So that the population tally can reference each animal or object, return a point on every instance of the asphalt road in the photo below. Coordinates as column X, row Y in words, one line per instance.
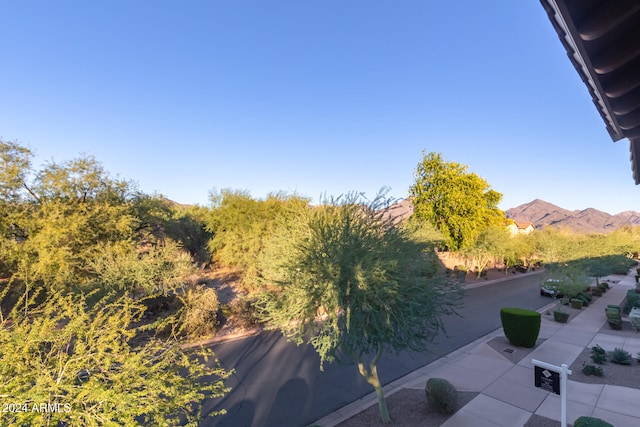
column 277, row 383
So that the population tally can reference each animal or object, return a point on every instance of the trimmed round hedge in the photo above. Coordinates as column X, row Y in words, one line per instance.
column 591, row 422
column 521, row 326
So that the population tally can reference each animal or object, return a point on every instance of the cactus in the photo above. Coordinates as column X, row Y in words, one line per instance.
column 442, row 396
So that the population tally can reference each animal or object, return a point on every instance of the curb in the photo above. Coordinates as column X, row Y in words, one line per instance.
column 257, row 331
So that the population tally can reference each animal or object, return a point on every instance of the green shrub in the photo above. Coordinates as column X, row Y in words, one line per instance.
column 586, row 295
column 592, row 370
column 633, row 300
column 521, row 326
column 590, row 422
column 585, row 301
column 576, row 303
column 598, row 355
column 621, row 356
column 442, row 396
column 100, row 361
column 596, row 292
column 614, row 317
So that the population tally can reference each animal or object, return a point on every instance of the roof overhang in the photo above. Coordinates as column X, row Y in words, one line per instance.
column 602, row 39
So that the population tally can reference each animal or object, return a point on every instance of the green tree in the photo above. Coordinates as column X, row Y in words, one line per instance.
column 459, row 203
column 490, row 245
column 347, row 280
column 91, row 363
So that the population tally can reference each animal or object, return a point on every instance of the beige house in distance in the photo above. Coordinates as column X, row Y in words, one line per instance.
column 519, row 227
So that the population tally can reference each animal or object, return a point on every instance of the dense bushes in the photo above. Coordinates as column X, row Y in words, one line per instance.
column 158, row 269
column 92, row 360
column 521, row 327
column 442, row 396
column 83, row 257
column 241, row 225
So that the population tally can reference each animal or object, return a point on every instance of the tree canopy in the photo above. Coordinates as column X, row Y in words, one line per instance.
column 348, row 281
column 457, row 202
column 83, row 256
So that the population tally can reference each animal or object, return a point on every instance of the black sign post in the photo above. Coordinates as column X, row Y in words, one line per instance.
column 547, row 379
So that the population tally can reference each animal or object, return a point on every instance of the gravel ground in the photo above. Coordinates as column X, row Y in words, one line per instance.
column 407, row 408
column 613, row 374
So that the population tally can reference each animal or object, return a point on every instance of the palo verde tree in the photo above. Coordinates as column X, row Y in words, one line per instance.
column 349, row 281
column 457, row 202
column 54, row 218
column 67, row 362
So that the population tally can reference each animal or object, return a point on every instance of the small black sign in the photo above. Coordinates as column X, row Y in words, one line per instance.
column 547, row 379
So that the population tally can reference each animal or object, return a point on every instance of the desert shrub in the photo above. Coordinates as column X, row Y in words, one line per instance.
column 585, row 300
column 160, row 269
column 591, row 422
column 91, row 360
column 620, row 356
column 598, row 355
column 242, row 311
column 442, row 396
column 596, row 292
column 199, row 315
column 241, row 225
column 521, row 326
column 576, row 303
column 592, row 370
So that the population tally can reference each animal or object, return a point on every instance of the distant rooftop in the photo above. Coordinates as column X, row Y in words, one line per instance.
column 602, row 39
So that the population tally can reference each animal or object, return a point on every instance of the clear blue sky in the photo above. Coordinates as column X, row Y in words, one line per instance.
column 308, row 96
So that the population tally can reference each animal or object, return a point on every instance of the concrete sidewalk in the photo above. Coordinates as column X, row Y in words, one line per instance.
column 508, row 396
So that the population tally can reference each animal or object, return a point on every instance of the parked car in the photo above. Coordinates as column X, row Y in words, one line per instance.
column 550, row 289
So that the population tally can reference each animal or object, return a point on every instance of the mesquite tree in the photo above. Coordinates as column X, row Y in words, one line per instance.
column 347, row 280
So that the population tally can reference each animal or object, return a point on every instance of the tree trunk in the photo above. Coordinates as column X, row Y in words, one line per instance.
column 372, row 378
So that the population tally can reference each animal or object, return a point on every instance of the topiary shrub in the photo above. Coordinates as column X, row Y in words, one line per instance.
column 621, row 356
column 585, row 300
column 442, row 396
column 586, row 295
column 521, row 326
column 633, row 300
column 614, row 317
column 576, row 303
column 591, row 422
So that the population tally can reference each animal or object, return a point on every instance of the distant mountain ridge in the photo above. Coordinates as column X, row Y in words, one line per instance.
column 544, row 214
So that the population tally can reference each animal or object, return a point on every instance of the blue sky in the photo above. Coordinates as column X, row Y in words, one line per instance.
column 308, row 96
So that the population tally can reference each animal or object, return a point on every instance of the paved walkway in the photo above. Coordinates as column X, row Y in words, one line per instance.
column 507, row 394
